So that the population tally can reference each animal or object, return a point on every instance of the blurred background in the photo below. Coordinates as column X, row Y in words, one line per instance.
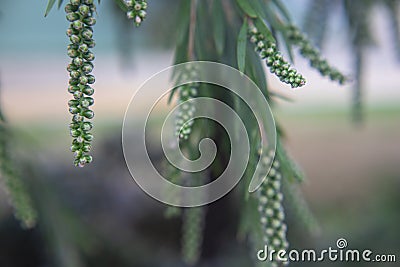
column 98, row 216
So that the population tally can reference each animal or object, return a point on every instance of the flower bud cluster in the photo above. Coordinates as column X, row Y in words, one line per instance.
column 313, row 55
column 186, row 93
column 136, row 10
column 80, row 32
column 270, row 206
column 274, row 59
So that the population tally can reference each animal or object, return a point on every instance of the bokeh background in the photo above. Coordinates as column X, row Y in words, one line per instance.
column 97, row 216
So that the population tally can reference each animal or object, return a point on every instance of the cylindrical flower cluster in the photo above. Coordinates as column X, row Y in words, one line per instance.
column 80, row 32
column 270, row 206
column 136, row 10
column 186, row 110
column 313, row 55
column 192, row 234
column 274, row 59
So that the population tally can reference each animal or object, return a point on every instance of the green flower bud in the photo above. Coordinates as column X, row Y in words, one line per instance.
column 130, row 14
column 79, row 161
column 88, row 158
column 73, row 81
column 73, row 103
column 75, row 133
column 70, row 8
column 72, row 16
column 77, row 94
column 75, row 39
column 91, row 79
column 87, row 67
column 83, row 80
column 72, row 46
column 87, row 33
column 88, row 137
column 72, row 53
column 87, row 101
column 75, row 2
column 74, row 125
column 138, row 20
column 86, row 148
column 90, row 43
column 75, row 147
column 77, row 25
column 129, row 3
column 83, row 48
column 84, row 10
column 86, row 126
column 75, row 74
column 89, row 114
column 70, row 32
column 72, row 89
column 74, row 110
column 89, row 56
column 79, row 153
column 142, row 14
column 77, row 118
column 87, row 90
column 90, row 21
column 77, row 61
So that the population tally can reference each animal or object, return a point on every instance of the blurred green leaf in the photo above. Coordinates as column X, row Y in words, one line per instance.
column 260, row 24
column 183, row 23
column 289, row 168
column 219, row 27
column 241, row 46
column 59, row 3
column 256, row 72
column 121, row 5
column 282, row 8
column 268, row 14
column 50, row 5
column 247, row 8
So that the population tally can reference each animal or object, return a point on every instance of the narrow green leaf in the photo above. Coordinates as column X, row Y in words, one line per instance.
column 282, row 8
column 50, row 5
column 259, row 7
column 270, row 15
column 241, row 47
column 59, row 4
column 121, row 5
column 260, row 24
column 289, row 168
column 183, row 23
column 288, row 46
column 256, row 71
column 247, row 8
column 219, row 27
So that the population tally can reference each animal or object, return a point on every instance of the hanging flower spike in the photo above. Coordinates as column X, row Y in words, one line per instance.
column 80, row 32
column 310, row 52
column 136, row 10
column 192, row 234
column 270, row 199
column 274, row 59
column 186, row 111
